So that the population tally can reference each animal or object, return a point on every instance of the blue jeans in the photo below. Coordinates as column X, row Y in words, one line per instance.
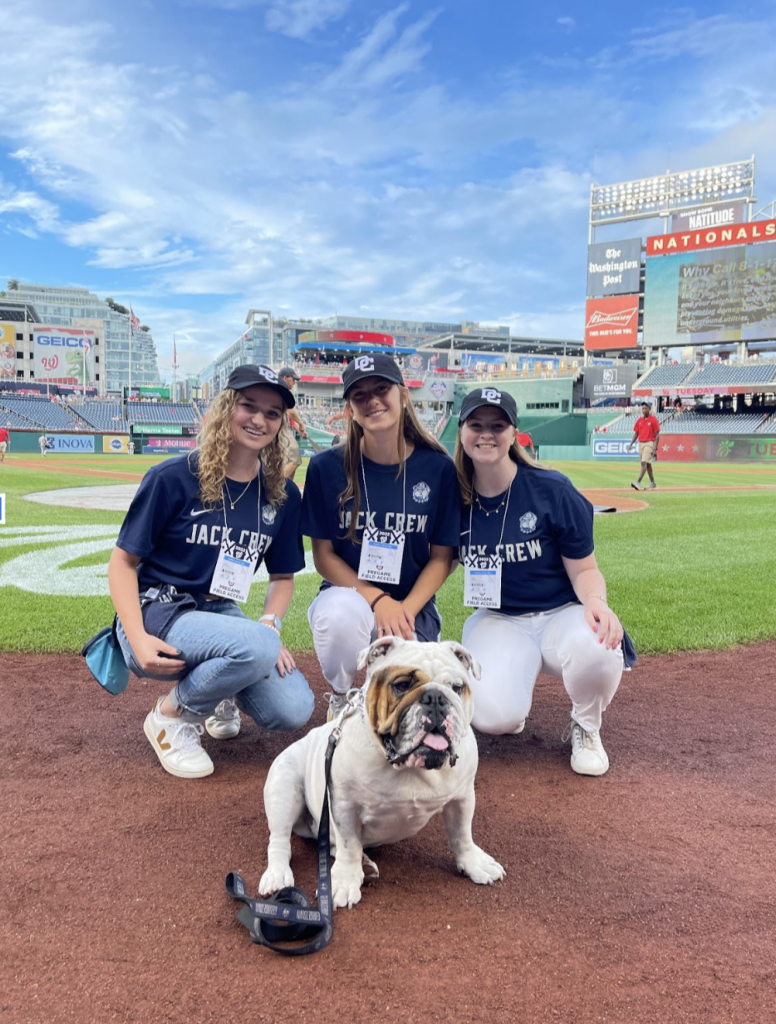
column 229, row 656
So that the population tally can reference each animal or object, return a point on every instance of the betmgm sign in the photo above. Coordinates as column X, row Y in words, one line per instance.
column 609, row 382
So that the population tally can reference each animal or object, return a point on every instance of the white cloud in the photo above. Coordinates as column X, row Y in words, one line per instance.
column 379, row 186
column 298, row 19
column 301, row 18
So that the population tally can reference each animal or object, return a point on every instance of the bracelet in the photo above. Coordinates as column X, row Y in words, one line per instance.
column 379, row 597
column 601, row 597
column 273, row 621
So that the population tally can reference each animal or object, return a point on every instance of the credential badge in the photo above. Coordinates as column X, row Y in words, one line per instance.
column 268, row 514
column 421, row 492
column 528, row 522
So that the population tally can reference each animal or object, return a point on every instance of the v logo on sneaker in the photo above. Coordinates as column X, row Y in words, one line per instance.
column 160, row 740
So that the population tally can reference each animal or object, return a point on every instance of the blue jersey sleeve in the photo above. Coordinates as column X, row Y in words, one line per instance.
column 286, row 555
column 447, row 522
column 574, row 523
column 148, row 515
column 315, row 516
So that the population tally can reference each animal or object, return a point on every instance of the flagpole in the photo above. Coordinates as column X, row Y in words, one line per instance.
column 174, row 368
column 129, row 325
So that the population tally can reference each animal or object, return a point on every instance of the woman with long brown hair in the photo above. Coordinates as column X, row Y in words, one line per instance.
column 195, row 533
column 382, row 512
column 530, row 572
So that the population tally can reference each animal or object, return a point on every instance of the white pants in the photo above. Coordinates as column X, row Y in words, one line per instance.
column 514, row 649
column 343, row 624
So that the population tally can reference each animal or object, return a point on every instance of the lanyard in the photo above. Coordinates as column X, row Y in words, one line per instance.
column 404, row 491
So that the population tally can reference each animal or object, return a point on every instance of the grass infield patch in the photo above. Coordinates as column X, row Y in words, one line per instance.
column 692, row 572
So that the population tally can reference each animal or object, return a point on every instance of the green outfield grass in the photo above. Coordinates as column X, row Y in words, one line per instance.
column 692, row 572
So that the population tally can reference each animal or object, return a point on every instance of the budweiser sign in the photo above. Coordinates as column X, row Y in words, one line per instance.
column 622, row 318
column 713, row 238
column 612, row 322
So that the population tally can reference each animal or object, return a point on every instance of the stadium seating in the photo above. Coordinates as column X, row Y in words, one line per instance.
column 734, row 373
column 103, row 416
column 666, row 376
column 693, row 422
column 181, row 413
column 41, row 413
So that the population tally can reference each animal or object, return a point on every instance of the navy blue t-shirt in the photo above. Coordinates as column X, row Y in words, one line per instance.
column 547, row 518
column 179, row 542
column 431, row 514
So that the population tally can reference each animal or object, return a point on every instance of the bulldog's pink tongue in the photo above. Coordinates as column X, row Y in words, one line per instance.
column 435, row 741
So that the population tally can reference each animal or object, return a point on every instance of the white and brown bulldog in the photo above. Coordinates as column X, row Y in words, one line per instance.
column 405, row 755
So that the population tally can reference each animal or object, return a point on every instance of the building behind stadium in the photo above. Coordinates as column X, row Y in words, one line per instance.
column 64, row 334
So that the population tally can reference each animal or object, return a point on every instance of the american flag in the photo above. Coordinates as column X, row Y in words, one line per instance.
column 133, row 320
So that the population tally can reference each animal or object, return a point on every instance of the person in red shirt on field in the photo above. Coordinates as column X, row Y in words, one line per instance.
column 647, row 432
column 5, row 443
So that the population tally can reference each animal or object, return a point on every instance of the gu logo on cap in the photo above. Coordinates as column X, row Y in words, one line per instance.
column 491, row 395
column 364, row 363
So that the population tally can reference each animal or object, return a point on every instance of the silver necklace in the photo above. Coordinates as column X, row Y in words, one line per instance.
column 240, row 495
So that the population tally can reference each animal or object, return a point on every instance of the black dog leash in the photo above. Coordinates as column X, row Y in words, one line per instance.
column 288, row 915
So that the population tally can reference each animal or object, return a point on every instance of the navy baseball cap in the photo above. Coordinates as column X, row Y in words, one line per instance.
column 287, row 371
column 489, row 397
column 252, row 373
column 374, row 364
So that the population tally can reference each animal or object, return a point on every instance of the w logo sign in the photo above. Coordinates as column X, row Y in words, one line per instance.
column 2, row 509
column 491, row 395
column 364, row 363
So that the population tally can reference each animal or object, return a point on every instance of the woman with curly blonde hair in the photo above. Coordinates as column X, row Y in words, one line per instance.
column 195, row 533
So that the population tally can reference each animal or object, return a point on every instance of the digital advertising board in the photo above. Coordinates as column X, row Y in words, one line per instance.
column 63, row 352
column 612, row 322
column 712, row 216
column 711, row 286
column 613, row 268
column 7, row 350
column 609, row 381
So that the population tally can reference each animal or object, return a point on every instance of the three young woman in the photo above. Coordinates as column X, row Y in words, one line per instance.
column 195, row 533
column 531, row 573
column 386, row 518
column 382, row 512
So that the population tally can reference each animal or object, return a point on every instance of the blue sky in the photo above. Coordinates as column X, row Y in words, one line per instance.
column 412, row 160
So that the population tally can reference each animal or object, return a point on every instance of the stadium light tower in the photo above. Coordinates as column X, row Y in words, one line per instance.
column 670, row 193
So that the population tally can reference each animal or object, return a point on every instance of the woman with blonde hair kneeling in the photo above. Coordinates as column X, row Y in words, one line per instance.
column 195, row 533
column 530, row 571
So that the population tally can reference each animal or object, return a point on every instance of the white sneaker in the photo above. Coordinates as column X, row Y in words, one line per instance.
column 337, row 702
column 588, row 756
column 652, row 487
column 177, row 745
column 635, row 486
column 224, row 723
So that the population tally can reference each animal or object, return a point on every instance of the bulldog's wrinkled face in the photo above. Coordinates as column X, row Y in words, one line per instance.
column 417, row 699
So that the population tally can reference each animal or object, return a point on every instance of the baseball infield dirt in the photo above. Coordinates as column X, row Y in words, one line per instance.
column 645, row 896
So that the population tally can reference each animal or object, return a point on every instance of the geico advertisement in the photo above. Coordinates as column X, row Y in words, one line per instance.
column 614, row 450
column 117, row 445
column 63, row 352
